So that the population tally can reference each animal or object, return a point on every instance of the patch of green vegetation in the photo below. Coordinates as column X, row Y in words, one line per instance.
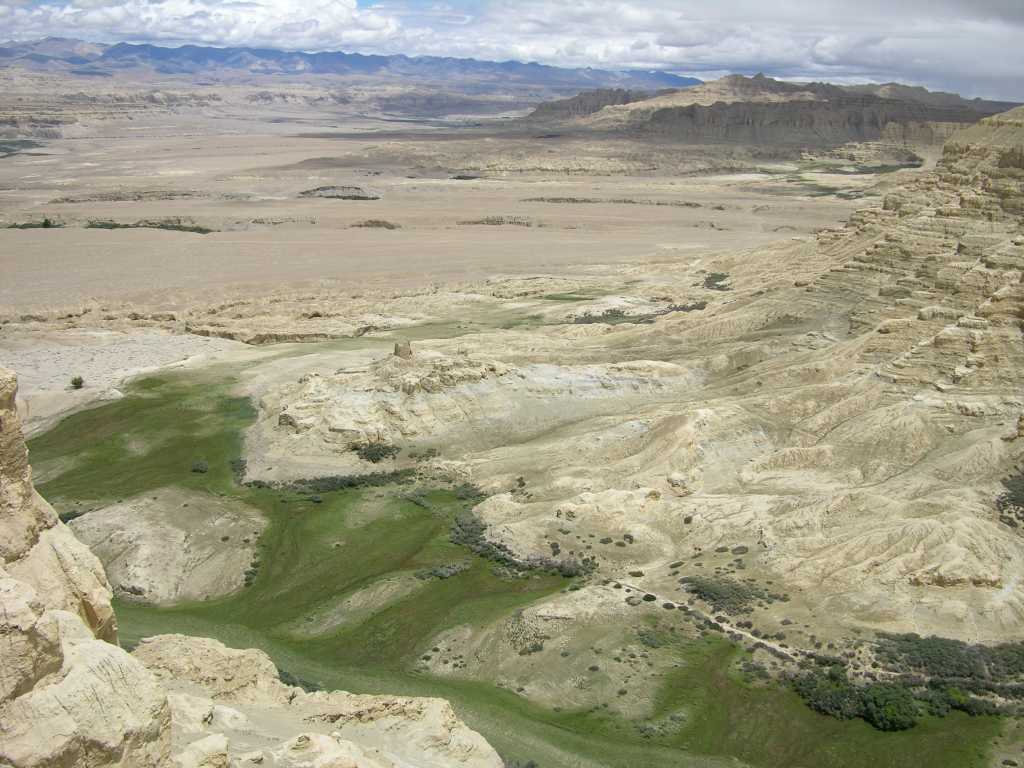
column 309, row 553
column 498, row 221
column 944, row 664
column 45, row 223
column 727, row 595
column 522, row 323
column 377, row 452
column 179, row 421
column 853, row 168
column 769, row 726
column 173, row 225
column 377, row 224
column 1010, row 502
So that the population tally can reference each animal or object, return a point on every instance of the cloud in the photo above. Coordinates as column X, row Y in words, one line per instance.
column 295, row 24
column 970, row 46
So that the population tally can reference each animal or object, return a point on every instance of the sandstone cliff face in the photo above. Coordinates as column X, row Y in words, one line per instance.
column 69, row 696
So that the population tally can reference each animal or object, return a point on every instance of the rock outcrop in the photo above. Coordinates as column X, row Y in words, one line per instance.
column 171, row 545
column 69, row 696
column 216, row 690
column 437, row 400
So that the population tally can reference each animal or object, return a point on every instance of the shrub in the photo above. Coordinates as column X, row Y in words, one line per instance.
column 725, row 595
column 377, row 452
column 77, row 382
column 830, row 694
column 377, row 224
column 498, row 221
column 200, row 467
column 469, row 493
column 715, row 281
column 46, row 223
column 649, row 638
column 288, row 678
column 889, row 707
column 534, row 647
column 442, row 571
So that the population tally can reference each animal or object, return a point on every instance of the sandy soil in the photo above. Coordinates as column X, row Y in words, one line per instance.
column 247, row 188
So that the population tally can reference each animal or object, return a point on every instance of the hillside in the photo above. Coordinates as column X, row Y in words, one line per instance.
column 763, row 111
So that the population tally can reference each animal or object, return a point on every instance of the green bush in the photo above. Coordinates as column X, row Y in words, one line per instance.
column 288, row 678
column 377, row 452
column 889, row 707
column 715, row 281
column 830, row 694
column 377, row 224
column 46, row 223
column 77, row 382
column 726, row 595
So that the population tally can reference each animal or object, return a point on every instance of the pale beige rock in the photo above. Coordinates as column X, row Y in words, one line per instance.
column 409, row 731
column 224, row 674
column 316, row 750
column 101, row 707
column 209, row 752
column 198, row 714
column 31, row 648
column 173, row 545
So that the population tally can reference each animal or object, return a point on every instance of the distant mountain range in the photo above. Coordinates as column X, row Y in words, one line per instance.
column 78, row 58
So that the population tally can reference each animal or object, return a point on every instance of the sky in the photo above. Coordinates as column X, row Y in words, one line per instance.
column 974, row 47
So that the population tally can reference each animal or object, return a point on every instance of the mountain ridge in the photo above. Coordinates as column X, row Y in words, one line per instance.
column 761, row 109
column 65, row 54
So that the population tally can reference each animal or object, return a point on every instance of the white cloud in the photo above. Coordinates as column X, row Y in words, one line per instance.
column 967, row 45
column 295, row 24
